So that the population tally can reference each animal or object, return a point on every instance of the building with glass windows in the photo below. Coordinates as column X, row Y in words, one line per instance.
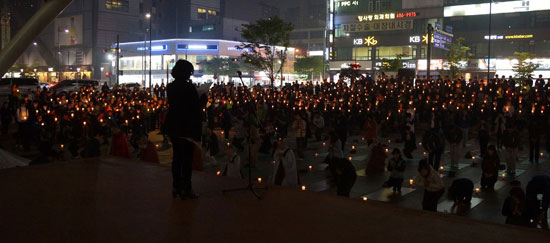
column 75, row 44
column 134, row 62
column 368, row 31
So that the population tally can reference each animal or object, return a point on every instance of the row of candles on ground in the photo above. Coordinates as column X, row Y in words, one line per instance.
column 303, row 187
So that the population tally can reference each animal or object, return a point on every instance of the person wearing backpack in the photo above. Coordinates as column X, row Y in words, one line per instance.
column 284, row 172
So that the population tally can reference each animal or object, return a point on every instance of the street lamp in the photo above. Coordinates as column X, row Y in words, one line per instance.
column 489, row 41
column 148, row 16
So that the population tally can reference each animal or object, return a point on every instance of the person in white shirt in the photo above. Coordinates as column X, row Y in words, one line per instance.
column 284, row 169
column 433, row 186
column 319, row 123
column 300, row 127
column 232, row 164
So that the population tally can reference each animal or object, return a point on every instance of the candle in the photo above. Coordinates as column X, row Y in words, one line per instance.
column 411, row 181
column 387, row 150
column 503, row 175
column 349, row 158
column 424, row 154
column 310, row 167
column 473, row 157
column 218, row 173
column 303, row 188
column 259, row 180
column 156, row 145
column 365, row 198
column 477, row 189
column 324, row 144
column 62, row 146
column 441, row 168
column 316, row 154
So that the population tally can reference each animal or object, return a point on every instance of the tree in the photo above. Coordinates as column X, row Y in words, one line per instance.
column 525, row 66
column 221, row 66
column 392, row 65
column 309, row 66
column 457, row 53
column 261, row 38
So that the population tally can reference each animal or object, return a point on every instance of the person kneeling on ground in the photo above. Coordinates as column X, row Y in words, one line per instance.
column 460, row 193
column 284, row 172
column 232, row 165
column 396, row 165
column 345, row 176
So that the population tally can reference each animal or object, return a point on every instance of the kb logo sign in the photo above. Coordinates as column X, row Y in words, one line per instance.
column 415, row 39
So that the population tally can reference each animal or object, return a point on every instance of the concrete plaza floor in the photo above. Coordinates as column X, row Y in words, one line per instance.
column 114, row 200
column 486, row 205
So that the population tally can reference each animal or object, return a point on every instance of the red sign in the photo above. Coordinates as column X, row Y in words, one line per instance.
column 405, row 15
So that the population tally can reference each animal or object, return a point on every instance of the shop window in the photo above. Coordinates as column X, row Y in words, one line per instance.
column 201, row 13
column 117, row 5
column 207, row 27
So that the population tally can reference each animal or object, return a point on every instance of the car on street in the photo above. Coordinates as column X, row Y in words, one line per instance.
column 23, row 84
column 74, row 85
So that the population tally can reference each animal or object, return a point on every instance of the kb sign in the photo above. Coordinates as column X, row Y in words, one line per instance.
column 415, row 39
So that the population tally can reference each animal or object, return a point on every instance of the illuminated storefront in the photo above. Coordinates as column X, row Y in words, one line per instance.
column 366, row 32
column 135, row 62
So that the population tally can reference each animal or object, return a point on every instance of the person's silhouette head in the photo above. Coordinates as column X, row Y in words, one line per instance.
column 183, row 70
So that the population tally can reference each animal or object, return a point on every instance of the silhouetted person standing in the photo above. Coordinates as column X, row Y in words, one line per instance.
column 184, row 127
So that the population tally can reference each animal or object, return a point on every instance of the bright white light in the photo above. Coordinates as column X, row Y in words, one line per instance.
column 34, row 43
column 315, row 53
column 197, row 47
column 498, row 8
column 66, row 31
column 148, row 15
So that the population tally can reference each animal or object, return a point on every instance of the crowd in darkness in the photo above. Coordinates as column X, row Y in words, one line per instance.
column 451, row 110
column 80, row 122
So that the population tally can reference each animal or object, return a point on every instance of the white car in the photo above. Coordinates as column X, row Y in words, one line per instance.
column 23, row 84
column 69, row 86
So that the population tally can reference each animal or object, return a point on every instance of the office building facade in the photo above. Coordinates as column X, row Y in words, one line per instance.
column 368, row 31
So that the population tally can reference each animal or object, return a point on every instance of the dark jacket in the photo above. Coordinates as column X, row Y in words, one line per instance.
column 538, row 185
column 184, row 111
column 490, row 164
column 510, row 139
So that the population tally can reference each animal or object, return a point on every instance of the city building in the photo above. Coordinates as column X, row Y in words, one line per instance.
column 134, row 64
column 78, row 43
column 222, row 19
column 368, row 31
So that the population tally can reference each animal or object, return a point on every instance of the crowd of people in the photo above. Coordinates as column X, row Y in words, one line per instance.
column 260, row 120
column 65, row 125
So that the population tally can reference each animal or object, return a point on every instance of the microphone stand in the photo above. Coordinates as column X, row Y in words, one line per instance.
column 250, row 186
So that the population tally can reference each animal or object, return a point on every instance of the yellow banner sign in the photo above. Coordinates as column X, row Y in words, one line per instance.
column 378, row 26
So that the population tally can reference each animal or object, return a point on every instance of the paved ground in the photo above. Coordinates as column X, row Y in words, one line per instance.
column 113, row 200
column 485, row 206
